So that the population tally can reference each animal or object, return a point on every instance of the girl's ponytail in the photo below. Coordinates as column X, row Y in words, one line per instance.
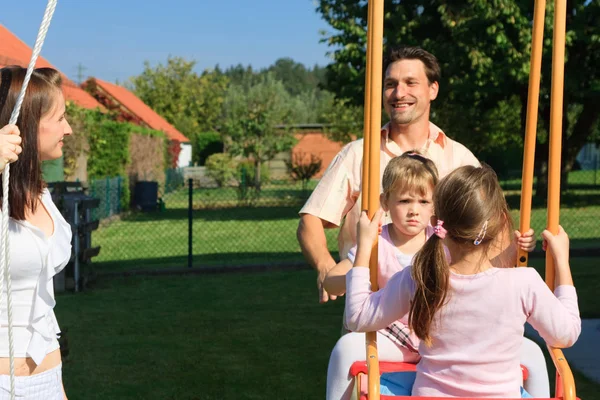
column 431, row 274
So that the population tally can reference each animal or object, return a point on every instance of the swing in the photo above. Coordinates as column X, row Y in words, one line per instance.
column 369, row 388
column 4, row 238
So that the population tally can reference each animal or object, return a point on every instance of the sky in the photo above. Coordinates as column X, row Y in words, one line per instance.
column 111, row 39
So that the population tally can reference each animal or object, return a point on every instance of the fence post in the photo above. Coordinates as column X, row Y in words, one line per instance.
column 107, row 197
column 190, row 205
column 76, row 247
column 92, row 191
column 119, row 178
column 597, row 164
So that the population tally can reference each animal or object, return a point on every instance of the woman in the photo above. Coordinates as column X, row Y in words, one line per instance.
column 40, row 238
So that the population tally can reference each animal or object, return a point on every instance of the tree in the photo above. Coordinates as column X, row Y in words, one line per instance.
column 484, row 48
column 344, row 121
column 303, row 167
column 189, row 101
column 221, row 167
column 251, row 119
column 296, row 78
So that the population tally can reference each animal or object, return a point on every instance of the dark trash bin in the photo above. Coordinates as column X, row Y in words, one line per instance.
column 145, row 195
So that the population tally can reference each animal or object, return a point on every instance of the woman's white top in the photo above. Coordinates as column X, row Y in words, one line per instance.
column 34, row 260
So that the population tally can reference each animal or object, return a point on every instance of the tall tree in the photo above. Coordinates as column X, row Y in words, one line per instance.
column 484, row 48
column 251, row 117
column 190, row 101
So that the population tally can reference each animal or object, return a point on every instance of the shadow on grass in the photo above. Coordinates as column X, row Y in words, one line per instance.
column 568, row 200
column 204, row 263
column 578, row 248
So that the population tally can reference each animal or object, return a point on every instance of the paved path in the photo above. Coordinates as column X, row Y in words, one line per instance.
column 585, row 354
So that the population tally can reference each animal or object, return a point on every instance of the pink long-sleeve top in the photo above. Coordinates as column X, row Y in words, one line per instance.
column 477, row 335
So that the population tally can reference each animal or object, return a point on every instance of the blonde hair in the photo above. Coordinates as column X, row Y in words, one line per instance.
column 474, row 212
column 410, row 172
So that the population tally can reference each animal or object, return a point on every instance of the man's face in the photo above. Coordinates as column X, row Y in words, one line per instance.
column 407, row 94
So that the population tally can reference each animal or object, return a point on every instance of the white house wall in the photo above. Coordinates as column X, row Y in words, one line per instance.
column 185, row 155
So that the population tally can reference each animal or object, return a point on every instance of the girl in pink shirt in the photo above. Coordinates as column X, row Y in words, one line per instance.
column 468, row 315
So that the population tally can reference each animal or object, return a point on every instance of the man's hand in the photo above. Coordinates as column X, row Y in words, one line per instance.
column 313, row 242
column 324, row 297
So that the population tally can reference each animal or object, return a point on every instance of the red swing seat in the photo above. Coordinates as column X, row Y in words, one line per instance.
column 359, row 371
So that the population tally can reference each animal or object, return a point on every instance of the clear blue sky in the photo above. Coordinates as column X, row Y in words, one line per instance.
column 112, row 38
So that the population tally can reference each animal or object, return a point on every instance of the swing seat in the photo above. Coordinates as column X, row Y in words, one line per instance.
column 359, row 371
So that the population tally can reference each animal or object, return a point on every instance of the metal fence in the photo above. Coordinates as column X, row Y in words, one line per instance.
column 239, row 225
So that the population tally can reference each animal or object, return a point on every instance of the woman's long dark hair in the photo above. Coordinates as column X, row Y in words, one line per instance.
column 25, row 181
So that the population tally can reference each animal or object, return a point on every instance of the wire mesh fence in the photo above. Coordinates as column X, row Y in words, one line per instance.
column 240, row 225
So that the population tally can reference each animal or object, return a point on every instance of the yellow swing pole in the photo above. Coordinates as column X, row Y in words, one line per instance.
column 565, row 384
column 371, row 167
column 533, row 96
column 367, row 114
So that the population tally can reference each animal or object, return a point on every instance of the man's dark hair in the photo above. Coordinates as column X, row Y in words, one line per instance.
column 432, row 67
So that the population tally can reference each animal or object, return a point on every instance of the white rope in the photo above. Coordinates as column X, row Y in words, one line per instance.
column 4, row 246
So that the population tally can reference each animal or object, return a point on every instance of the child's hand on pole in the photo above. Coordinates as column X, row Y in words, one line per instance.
column 559, row 246
column 368, row 230
column 526, row 241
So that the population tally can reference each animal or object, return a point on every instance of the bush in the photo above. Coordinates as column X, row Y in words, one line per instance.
column 247, row 173
column 221, row 167
column 109, row 149
column 205, row 145
column 303, row 168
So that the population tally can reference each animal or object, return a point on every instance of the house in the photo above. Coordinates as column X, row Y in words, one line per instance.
column 311, row 140
column 132, row 109
column 13, row 51
column 317, row 143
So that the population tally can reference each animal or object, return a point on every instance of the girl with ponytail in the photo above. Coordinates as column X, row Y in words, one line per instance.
column 468, row 315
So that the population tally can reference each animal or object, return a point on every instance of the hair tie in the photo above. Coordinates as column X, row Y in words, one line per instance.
column 481, row 234
column 416, row 156
column 439, row 229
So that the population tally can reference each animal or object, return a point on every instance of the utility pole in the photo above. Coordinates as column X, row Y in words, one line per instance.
column 80, row 69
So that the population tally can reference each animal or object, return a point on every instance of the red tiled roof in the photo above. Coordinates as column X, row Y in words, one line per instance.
column 141, row 110
column 14, row 52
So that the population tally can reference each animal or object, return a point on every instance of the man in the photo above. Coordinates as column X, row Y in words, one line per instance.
column 410, row 85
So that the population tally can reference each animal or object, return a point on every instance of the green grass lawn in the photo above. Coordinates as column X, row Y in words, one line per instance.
column 227, row 232
column 247, row 235
column 233, row 237
column 587, row 178
column 225, row 336
column 586, row 275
